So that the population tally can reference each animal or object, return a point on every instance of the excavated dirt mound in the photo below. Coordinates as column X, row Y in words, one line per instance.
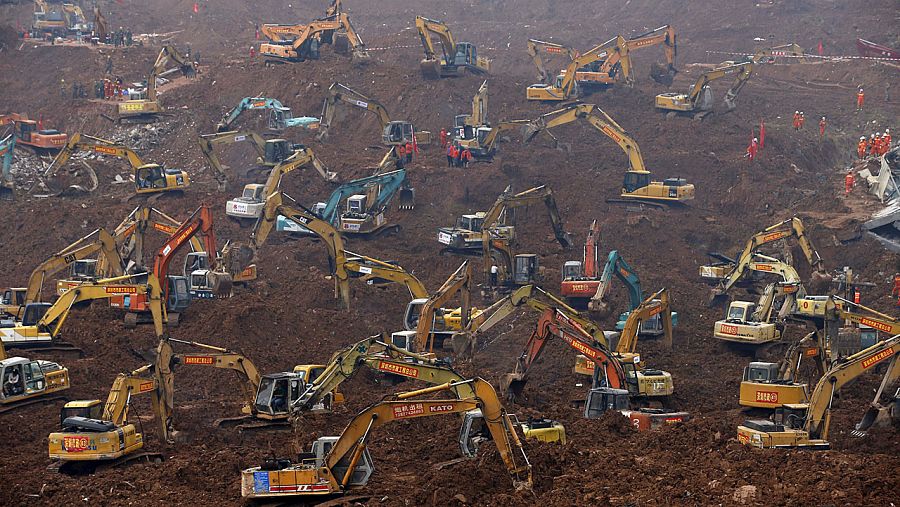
column 289, row 316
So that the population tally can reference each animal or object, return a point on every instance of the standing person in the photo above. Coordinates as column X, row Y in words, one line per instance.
column 886, row 140
column 822, row 128
column 861, row 147
column 801, row 121
column 129, row 37
column 875, row 150
column 896, row 288
column 494, row 275
column 796, row 121
column 860, row 99
column 443, row 137
column 467, row 157
column 252, row 52
column 400, row 152
column 459, row 153
column 409, row 152
column 762, row 134
column 751, row 149
column 109, row 64
column 449, row 155
column 62, row 88
column 849, row 181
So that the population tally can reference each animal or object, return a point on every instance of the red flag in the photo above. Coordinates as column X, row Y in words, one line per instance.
column 762, row 134
column 821, row 48
column 196, row 8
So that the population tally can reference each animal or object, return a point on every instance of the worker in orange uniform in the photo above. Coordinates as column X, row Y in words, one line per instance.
column 822, row 127
column 896, row 289
column 752, row 149
column 860, row 99
column 876, row 145
column 443, row 138
column 801, row 121
column 861, row 147
column 796, row 121
column 252, row 52
column 873, row 148
column 409, row 151
column 849, row 181
column 886, row 140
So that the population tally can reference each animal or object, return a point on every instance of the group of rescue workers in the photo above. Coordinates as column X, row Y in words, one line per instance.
column 877, row 145
column 457, row 156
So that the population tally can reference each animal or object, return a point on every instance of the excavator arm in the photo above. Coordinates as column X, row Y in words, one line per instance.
column 81, row 142
column 338, row 93
column 426, row 27
column 321, row 228
column 97, row 241
column 459, row 282
column 200, row 222
column 650, row 307
column 354, row 438
column 166, row 55
column 388, row 182
column 536, row 47
column 664, row 35
column 208, row 142
column 56, row 315
column 554, row 323
column 616, row 267
column 125, row 386
column 371, row 270
column 292, row 43
column 300, row 158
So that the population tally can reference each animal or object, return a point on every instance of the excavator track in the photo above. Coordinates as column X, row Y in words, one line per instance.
column 248, row 423
column 33, row 401
column 55, row 347
column 90, row 467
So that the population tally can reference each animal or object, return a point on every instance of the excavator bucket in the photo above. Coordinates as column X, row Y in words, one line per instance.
column 512, row 384
column 531, row 129
column 600, row 309
column 220, row 283
column 341, row 44
column 431, row 69
column 406, row 198
column 662, row 74
column 238, row 257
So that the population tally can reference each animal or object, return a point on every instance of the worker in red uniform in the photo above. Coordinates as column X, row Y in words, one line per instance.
column 801, row 121
column 849, row 181
column 860, row 99
column 443, row 138
column 466, row 157
column 861, row 147
column 886, row 140
column 822, row 128
column 450, row 156
column 752, row 149
column 252, row 52
column 796, row 121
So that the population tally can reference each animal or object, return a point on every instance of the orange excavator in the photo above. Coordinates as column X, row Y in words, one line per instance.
column 581, row 279
column 201, row 278
column 612, row 388
column 29, row 134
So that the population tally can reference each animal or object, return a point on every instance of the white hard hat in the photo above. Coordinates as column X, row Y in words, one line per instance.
column 801, row 113
column 823, row 117
column 887, row 131
column 862, row 138
column 755, row 139
column 878, row 134
column 796, row 112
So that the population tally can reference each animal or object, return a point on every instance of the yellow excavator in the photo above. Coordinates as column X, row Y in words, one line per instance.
column 754, row 324
column 41, row 322
column 393, row 132
column 730, row 272
column 147, row 108
column 95, row 435
column 270, row 153
column 806, row 425
column 536, row 47
column 637, row 186
column 148, row 178
column 470, row 129
column 770, row 385
column 458, row 57
column 29, row 381
column 299, row 43
column 339, row 464
column 250, row 204
column 239, row 257
column 606, row 61
column 698, row 102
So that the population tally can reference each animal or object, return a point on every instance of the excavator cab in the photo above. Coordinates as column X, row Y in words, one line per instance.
column 89, row 409
column 470, row 222
column 472, row 433
column 155, row 178
column 13, row 296
column 397, row 132
column 466, row 54
column 84, row 270
column 34, row 312
column 761, row 372
column 277, row 392
column 277, row 151
column 603, row 399
column 356, row 204
column 635, row 180
column 361, row 472
column 572, row 270
column 740, row 311
column 526, row 269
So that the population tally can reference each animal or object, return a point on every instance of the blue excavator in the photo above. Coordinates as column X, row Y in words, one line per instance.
column 7, row 185
column 280, row 117
column 617, row 267
column 364, row 203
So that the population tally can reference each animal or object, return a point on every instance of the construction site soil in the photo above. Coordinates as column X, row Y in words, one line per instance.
column 289, row 316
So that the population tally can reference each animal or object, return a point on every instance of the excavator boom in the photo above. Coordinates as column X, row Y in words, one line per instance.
column 457, row 57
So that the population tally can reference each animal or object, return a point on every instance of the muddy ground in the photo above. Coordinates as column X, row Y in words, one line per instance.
column 289, row 316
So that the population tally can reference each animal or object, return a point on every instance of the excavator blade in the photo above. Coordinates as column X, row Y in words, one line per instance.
column 406, row 198
column 662, row 74
column 431, row 69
